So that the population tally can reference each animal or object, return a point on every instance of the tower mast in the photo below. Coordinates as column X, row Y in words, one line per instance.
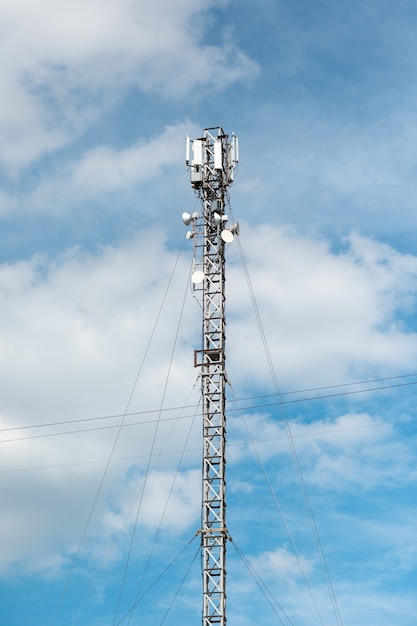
column 212, row 161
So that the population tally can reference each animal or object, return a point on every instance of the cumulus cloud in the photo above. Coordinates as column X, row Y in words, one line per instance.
column 106, row 180
column 74, row 331
column 71, row 327
column 327, row 316
column 108, row 169
column 63, row 65
column 280, row 563
column 354, row 451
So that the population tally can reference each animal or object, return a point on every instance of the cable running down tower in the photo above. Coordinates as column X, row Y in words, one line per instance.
column 212, row 161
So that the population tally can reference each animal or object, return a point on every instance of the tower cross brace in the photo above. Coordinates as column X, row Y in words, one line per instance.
column 212, row 170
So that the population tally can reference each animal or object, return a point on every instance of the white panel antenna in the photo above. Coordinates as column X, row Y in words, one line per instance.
column 218, row 161
column 235, row 144
column 198, row 152
column 232, row 157
column 187, row 150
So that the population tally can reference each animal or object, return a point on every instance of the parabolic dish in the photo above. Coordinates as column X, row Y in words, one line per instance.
column 197, row 277
column 227, row 236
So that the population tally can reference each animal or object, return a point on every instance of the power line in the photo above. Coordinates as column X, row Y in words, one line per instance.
column 189, row 416
column 277, row 402
column 192, row 450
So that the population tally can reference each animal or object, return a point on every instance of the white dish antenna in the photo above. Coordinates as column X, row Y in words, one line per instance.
column 197, row 277
column 227, row 236
column 186, row 218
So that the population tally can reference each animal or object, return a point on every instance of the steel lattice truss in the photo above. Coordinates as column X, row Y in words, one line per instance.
column 211, row 173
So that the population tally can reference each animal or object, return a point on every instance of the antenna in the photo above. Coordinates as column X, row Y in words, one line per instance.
column 211, row 172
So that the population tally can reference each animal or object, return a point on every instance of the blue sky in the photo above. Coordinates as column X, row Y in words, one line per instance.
column 97, row 318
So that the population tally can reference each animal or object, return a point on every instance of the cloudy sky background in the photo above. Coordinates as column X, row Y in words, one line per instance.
column 98, row 319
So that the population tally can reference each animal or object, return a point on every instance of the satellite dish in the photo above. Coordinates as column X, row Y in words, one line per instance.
column 197, row 277
column 235, row 228
column 227, row 236
column 186, row 218
column 217, row 218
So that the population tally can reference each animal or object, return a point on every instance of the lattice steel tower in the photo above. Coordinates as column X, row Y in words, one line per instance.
column 212, row 161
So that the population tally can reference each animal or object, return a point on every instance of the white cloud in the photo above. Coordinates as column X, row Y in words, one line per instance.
column 73, row 333
column 77, row 332
column 327, row 172
column 78, row 317
column 352, row 452
column 104, row 168
column 279, row 564
column 63, row 64
column 327, row 317
column 85, row 187
column 169, row 499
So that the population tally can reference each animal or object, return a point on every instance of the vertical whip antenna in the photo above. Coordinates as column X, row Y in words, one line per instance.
column 212, row 162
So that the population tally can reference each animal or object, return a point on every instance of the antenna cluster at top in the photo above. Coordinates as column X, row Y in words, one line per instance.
column 212, row 161
column 217, row 153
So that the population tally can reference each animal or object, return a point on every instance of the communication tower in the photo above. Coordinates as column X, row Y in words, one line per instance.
column 212, row 162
